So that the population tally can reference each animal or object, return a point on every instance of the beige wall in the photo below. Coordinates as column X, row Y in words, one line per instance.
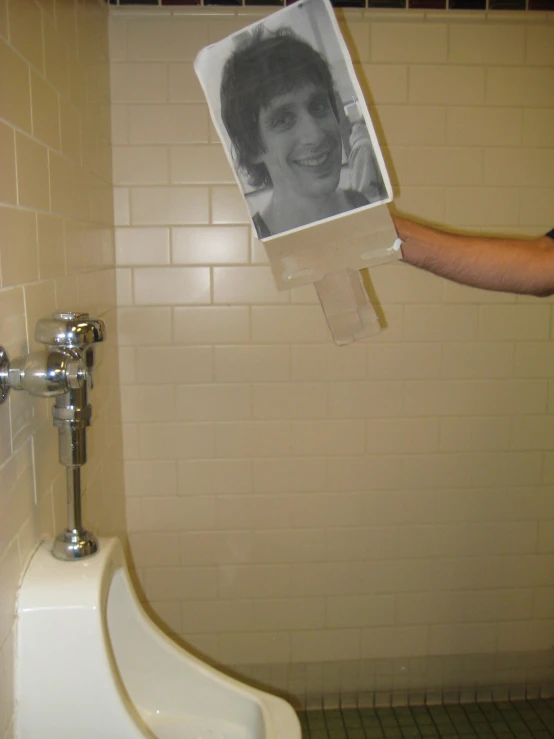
column 372, row 517
column 56, row 252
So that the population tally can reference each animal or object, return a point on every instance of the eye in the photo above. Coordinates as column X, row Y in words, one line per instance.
column 282, row 120
column 320, row 106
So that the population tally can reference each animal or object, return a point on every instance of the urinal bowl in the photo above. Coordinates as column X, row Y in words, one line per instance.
column 91, row 663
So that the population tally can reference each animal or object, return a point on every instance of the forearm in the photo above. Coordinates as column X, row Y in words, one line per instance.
column 508, row 265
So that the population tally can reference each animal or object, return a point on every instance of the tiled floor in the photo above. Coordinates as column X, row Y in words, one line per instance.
column 518, row 720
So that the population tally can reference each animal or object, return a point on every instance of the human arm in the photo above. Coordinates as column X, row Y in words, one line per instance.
column 524, row 266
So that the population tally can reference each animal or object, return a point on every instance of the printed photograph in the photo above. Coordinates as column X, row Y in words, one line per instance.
column 292, row 118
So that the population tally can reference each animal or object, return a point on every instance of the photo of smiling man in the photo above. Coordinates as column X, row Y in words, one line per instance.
column 293, row 122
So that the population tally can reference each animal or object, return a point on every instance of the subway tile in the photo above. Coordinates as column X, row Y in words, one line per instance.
column 148, row 403
column 256, row 363
column 534, row 205
column 486, row 44
column 253, row 439
column 178, row 583
column 8, row 182
column 32, row 173
column 252, row 512
column 26, row 30
column 228, row 206
column 15, row 92
column 140, row 165
column 140, row 326
column 462, row 638
column 293, row 400
column 175, row 364
column 474, row 434
column 169, row 205
column 445, row 85
column 254, row 648
column 168, row 124
column 533, row 359
column 171, row 285
column 215, row 477
column 441, row 323
column 184, row 86
column 121, row 206
column 514, row 322
column 473, row 397
column 138, row 82
column 329, row 645
column 523, row 86
column 9, row 580
column 507, row 469
column 402, row 436
column 481, row 207
column 12, row 323
column 427, row 202
column 253, row 581
column 539, row 45
column 478, row 360
column 55, row 58
column 19, row 251
column 289, row 324
column 412, row 125
column 71, row 134
column 328, row 437
column 404, row 361
column 356, row 34
column 124, row 286
column 518, row 167
column 213, row 402
column 170, row 38
column 51, row 251
column 149, row 479
column 413, row 43
column 45, row 111
column 325, row 363
column 142, row 246
column 480, row 126
column 439, row 166
column 199, row 164
column 292, row 614
column 398, row 283
column 289, row 475
column 528, row 635
column 201, row 616
column 211, row 325
column 395, row 641
column 251, row 285
column 119, row 124
column 167, row 441
column 359, row 611
column 533, row 432
column 4, row 18
column 365, row 399
column 210, row 245
column 384, row 83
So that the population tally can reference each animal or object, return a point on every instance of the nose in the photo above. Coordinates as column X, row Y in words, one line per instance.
column 310, row 130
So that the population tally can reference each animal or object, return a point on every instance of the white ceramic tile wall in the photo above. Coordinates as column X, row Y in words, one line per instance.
column 292, row 503
column 56, row 253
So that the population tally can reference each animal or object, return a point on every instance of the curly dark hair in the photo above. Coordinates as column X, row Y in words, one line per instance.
column 258, row 70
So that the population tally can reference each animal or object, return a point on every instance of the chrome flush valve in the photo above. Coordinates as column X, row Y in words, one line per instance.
column 64, row 370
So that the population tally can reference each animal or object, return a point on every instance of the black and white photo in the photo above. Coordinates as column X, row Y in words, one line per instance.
column 292, row 118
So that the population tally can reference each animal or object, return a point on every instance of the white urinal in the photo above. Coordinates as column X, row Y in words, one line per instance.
column 91, row 664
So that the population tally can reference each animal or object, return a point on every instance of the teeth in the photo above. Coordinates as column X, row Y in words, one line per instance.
column 313, row 162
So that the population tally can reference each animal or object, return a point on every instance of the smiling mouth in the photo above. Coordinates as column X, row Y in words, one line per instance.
column 313, row 161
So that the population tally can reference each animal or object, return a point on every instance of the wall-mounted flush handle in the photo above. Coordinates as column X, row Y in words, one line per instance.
column 67, row 363
column 41, row 373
